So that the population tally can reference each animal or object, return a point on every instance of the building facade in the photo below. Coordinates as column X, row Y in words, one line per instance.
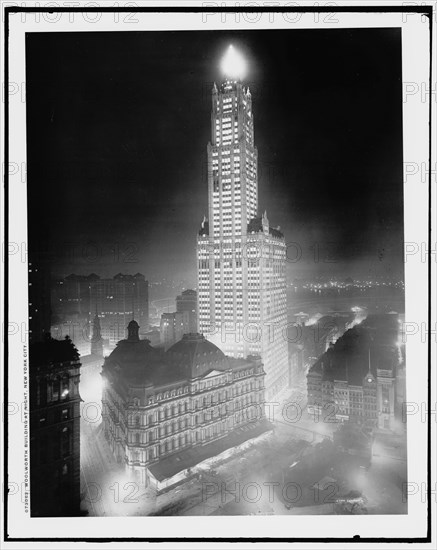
column 164, row 412
column 355, row 379
column 119, row 300
column 335, row 394
column 241, row 257
column 76, row 299
column 173, row 327
column 187, row 301
column 54, row 428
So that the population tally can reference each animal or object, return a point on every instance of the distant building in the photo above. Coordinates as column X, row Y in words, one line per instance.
column 119, row 300
column 71, row 296
column 39, row 299
column 165, row 412
column 187, row 301
column 77, row 298
column 354, row 380
column 173, row 327
column 54, row 428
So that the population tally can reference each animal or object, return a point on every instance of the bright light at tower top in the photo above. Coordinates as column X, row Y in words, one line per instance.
column 233, row 64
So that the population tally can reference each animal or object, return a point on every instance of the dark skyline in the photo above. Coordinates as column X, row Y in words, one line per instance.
column 118, row 125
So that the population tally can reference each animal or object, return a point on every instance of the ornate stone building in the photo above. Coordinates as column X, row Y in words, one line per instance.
column 355, row 379
column 165, row 412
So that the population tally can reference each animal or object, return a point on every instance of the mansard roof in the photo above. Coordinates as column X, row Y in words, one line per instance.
column 139, row 363
column 197, row 356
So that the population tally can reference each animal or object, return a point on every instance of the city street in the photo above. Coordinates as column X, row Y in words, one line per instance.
column 106, row 488
column 294, row 469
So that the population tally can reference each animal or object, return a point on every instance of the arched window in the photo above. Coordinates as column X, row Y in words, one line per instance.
column 55, row 389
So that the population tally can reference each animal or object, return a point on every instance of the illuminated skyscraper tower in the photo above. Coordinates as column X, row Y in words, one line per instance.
column 241, row 258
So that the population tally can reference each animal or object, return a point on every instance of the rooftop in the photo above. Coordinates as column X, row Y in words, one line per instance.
column 193, row 356
column 170, row 466
column 368, row 346
column 197, row 355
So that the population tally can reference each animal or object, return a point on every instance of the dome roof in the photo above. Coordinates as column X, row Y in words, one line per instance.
column 141, row 364
column 132, row 353
column 197, row 355
column 137, row 358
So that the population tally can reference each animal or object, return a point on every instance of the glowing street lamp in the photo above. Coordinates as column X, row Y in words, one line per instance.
column 233, row 64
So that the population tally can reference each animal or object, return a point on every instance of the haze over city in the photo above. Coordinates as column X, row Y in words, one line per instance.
column 118, row 126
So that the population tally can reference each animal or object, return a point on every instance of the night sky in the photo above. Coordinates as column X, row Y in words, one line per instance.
column 118, row 125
